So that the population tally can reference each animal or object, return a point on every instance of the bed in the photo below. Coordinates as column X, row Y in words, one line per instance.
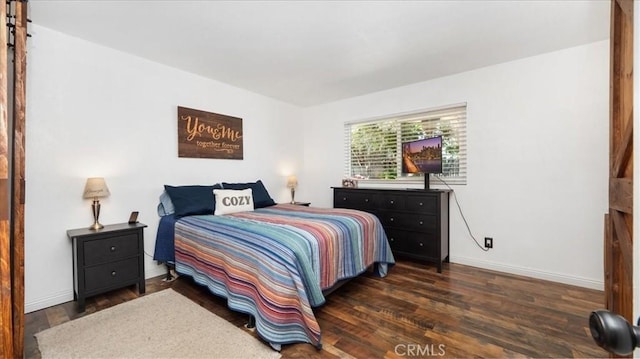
column 275, row 262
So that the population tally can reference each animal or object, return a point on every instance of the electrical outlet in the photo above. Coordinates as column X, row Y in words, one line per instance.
column 488, row 242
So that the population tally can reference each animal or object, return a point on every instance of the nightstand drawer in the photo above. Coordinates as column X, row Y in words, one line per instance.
column 110, row 249
column 111, row 274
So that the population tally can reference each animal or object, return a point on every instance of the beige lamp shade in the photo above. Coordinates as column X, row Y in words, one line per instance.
column 292, row 182
column 96, row 187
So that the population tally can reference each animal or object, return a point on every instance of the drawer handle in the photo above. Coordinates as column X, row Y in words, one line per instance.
column 391, row 201
column 113, row 248
column 344, row 198
column 391, row 219
column 420, row 222
column 113, row 274
column 421, row 203
column 420, row 244
column 366, row 199
column 391, row 240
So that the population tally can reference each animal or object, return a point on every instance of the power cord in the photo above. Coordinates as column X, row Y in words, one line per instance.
column 462, row 214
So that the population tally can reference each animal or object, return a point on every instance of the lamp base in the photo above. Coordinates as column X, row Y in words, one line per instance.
column 95, row 208
column 96, row 226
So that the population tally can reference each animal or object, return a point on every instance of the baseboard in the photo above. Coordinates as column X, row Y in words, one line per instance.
column 67, row 296
column 534, row 273
column 49, row 301
column 155, row 271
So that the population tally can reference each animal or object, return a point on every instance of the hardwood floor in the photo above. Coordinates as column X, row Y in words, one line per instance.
column 413, row 312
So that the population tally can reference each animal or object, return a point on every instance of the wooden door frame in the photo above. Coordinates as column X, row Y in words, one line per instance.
column 6, row 277
column 618, row 248
column 18, row 171
column 12, row 174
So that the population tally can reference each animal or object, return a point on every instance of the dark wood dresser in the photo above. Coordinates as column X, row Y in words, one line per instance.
column 416, row 221
column 107, row 259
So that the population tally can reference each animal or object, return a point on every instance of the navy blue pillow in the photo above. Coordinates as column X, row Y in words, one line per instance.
column 261, row 197
column 192, row 200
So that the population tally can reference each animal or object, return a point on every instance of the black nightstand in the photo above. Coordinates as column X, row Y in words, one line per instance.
column 107, row 259
column 307, row 204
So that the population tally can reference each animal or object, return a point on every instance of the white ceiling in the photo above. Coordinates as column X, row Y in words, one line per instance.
column 313, row 52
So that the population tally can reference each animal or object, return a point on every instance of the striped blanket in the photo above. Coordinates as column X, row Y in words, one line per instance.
column 274, row 262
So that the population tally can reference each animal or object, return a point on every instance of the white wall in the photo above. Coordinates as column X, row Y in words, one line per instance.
column 93, row 111
column 537, row 165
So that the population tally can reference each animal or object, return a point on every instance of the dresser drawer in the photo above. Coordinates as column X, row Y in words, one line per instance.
column 422, row 204
column 423, row 245
column 354, row 200
column 102, row 250
column 111, row 274
column 413, row 244
column 427, row 223
column 397, row 240
column 393, row 201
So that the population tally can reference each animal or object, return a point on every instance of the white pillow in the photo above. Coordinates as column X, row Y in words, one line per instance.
column 232, row 201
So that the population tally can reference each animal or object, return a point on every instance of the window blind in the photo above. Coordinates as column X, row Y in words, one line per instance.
column 373, row 147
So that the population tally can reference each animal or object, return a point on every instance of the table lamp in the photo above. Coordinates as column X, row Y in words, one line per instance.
column 96, row 188
column 292, row 182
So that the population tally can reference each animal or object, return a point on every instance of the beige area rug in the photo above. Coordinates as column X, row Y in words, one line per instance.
column 164, row 324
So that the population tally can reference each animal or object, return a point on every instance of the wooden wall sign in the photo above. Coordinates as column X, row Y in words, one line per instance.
column 209, row 135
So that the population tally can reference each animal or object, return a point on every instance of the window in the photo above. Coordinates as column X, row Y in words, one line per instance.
column 373, row 147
